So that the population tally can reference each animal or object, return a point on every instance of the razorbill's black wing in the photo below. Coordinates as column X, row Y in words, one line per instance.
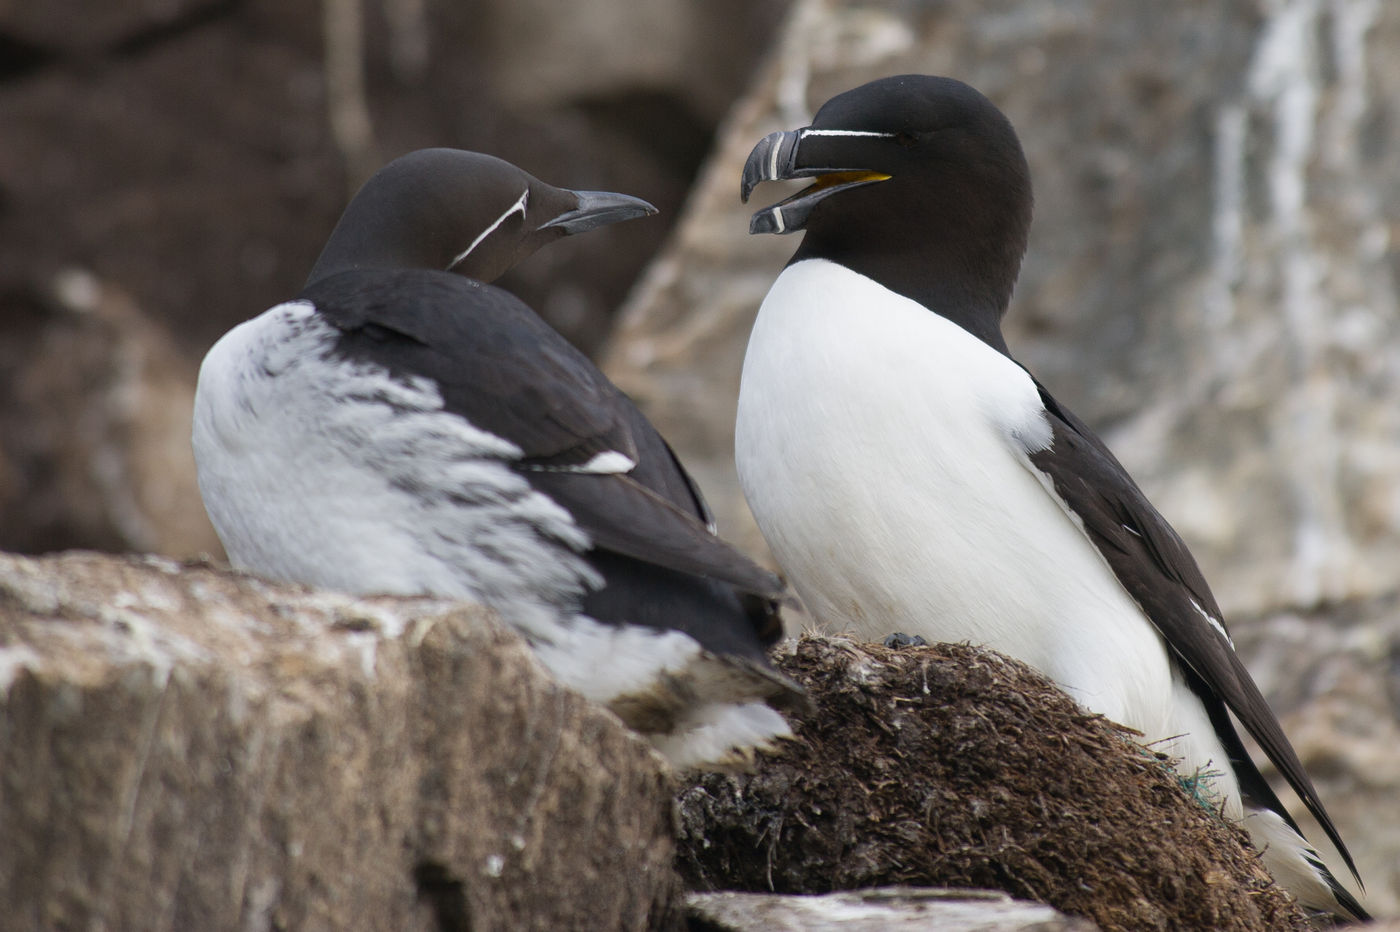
column 1156, row 567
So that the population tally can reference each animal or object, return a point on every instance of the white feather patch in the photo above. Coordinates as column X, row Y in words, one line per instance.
column 322, row 471
column 669, row 669
column 721, row 734
column 607, row 463
column 1214, row 623
column 604, row 661
column 1290, row 859
column 845, row 132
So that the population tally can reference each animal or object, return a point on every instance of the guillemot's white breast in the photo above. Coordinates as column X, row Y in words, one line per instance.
column 330, row 472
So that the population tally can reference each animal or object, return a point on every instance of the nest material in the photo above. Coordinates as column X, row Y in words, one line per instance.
column 949, row 765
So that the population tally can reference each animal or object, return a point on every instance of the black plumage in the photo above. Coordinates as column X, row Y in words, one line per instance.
column 502, row 369
column 921, row 192
column 404, row 426
column 1154, row 564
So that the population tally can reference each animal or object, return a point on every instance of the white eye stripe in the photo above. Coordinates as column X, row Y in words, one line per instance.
column 519, row 205
column 844, row 132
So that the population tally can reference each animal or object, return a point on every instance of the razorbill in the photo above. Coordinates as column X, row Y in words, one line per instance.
column 403, row 427
column 911, row 476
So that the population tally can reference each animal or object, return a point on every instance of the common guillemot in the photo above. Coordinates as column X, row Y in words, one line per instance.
column 910, row 475
column 404, row 427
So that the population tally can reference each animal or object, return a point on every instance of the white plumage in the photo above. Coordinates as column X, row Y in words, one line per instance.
column 883, row 451
column 911, row 476
column 315, row 469
column 322, row 471
column 927, row 516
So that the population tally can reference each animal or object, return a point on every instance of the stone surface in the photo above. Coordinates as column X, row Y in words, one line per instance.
column 194, row 154
column 95, row 430
column 952, row 766
column 183, row 748
column 898, row 909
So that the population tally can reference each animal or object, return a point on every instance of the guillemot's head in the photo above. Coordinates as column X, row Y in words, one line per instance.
column 463, row 212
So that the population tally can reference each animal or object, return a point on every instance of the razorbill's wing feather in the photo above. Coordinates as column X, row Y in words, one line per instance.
column 1154, row 564
column 624, row 516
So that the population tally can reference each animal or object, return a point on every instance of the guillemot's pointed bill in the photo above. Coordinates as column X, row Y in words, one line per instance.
column 969, row 504
column 596, row 209
column 404, row 427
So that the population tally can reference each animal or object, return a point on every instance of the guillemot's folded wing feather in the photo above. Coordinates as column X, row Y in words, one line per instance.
column 581, row 440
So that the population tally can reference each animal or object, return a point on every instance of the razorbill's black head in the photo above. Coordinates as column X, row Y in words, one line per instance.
column 461, row 212
column 919, row 183
column 910, row 475
column 404, row 427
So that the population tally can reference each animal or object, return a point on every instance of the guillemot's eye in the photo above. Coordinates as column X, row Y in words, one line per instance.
column 905, row 139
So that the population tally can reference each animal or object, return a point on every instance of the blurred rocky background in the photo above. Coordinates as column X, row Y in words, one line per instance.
column 169, row 168
column 1211, row 281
